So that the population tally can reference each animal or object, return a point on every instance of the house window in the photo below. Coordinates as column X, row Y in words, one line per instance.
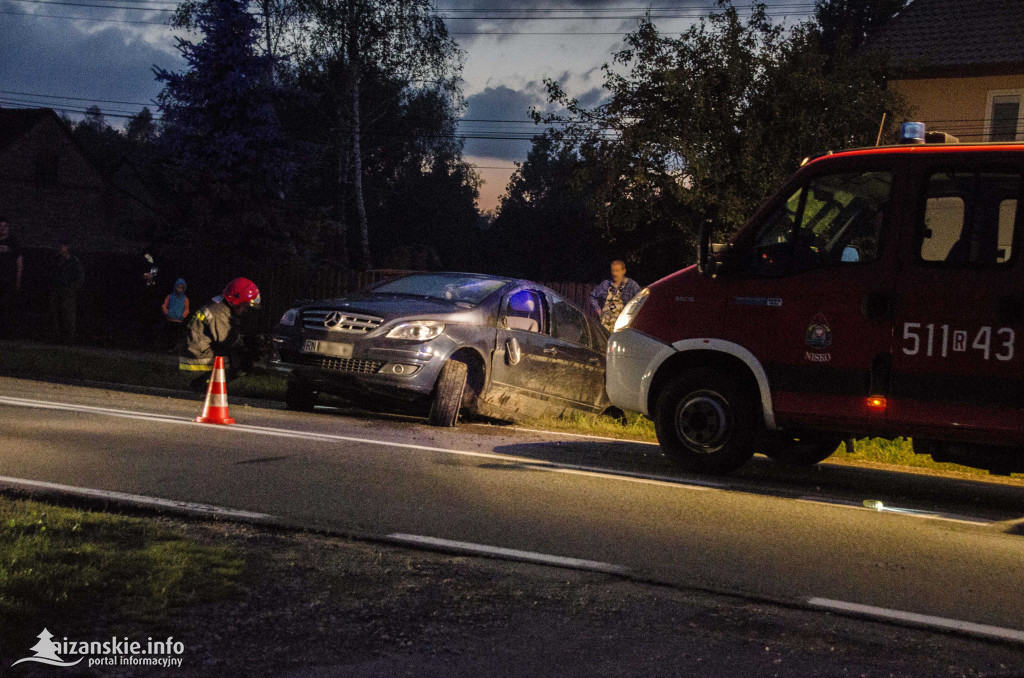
column 1006, row 115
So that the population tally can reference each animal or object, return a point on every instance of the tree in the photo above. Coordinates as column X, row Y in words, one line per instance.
column 346, row 40
column 545, row 228
column 219, row 117
column 702, row 127
column 141, row 129
column 104, row 144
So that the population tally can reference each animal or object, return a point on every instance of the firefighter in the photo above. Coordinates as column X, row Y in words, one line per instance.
column 216, row 330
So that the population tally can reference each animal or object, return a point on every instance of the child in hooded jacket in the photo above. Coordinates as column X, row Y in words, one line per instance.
column 175, row 313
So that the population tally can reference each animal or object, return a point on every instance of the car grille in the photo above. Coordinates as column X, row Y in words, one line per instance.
column 339, row 321
column 344, row 364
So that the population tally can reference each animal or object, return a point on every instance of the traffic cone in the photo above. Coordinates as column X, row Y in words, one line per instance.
column 215, row 409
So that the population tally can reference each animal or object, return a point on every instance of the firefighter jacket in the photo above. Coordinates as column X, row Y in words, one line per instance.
column 211, row 331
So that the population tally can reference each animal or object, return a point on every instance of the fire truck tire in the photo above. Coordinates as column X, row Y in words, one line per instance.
column 791, row 452
column 451, row 383
column 299, row 397
column 708, row 423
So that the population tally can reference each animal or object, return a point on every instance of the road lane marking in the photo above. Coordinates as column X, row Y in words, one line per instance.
column 138, row 499
column 509, row 554
column 914, row 513
column 540, row 464
column 923, row 620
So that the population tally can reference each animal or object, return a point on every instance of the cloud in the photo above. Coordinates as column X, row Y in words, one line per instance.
column 592, row 97
column 80, row 59
column 512, row 108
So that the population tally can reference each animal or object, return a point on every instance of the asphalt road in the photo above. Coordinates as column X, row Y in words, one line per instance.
column 949, row 548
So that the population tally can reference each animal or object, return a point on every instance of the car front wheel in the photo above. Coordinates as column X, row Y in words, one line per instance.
column 447, row 399
column 707, row 423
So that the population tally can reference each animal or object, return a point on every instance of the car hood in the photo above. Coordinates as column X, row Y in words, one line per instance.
column 393, row 308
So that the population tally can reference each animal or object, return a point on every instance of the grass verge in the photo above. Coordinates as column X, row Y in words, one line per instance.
column 135, row 369
column 62, row 564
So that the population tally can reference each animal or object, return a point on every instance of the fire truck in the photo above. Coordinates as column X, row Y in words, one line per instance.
column 879, row 292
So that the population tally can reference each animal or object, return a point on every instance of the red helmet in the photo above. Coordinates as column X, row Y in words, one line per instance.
column 242, row 291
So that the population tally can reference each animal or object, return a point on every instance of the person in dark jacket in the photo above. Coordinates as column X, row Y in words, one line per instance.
column 215, row 330
column 176, row 311
column 67, row 281
column 11, row 265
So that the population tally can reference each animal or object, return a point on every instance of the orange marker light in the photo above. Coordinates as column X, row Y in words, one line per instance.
column 876, row 403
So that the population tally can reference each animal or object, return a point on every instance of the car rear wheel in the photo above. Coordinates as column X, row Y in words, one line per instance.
column 707, row 423
column 300, row 397
column 444, row 409
column 792, row 451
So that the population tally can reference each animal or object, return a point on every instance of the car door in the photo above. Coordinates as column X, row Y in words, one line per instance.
column 960, row 303
column 807, row 294
column 520, row 366
column 570, row 356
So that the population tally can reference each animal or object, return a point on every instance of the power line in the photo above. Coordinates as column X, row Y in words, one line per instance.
column 84, row 18
column 55, row 96
column 86, row 4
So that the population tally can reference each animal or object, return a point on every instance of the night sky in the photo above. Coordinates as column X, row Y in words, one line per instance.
column 105, row 55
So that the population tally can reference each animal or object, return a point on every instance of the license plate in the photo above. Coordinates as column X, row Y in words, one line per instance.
column 331, row 348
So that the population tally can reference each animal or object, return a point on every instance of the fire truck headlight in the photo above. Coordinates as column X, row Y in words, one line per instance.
column 631, row 310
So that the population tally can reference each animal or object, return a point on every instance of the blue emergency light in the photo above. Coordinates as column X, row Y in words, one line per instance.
column 912, row 133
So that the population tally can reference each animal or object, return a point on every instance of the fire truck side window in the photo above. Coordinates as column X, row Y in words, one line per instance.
column 834, row 220
column 969, row 218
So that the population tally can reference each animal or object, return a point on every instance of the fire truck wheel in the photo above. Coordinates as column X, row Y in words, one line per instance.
column 794, row 452
column 300, row 397
column 707, row 423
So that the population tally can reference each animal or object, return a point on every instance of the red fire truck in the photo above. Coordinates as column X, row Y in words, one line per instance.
column 880, row 292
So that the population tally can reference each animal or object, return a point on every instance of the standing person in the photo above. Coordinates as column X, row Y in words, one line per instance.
column 215, row 330
column 67, row 281
column 12, row 264
column 608, row 298
column 176, row 311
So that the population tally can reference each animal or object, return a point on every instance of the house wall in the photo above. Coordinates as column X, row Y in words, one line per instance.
column 958, row 105
column 52, row 194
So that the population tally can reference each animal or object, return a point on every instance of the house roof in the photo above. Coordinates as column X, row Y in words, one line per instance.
column 17, row 122
column 986, row 36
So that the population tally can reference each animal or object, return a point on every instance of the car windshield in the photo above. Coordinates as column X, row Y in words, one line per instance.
column 461, row 289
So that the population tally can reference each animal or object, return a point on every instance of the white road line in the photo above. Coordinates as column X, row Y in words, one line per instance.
column 688, row 484
column 913, row 513
column 511, row 554
column 923, row 620
column 138, row 499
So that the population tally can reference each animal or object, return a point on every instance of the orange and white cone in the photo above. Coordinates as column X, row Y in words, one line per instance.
column 215, row 409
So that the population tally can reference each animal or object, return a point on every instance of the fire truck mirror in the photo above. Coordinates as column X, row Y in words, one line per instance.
column 706, row 261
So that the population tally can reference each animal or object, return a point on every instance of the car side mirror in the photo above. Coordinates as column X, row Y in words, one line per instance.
column 851, row 254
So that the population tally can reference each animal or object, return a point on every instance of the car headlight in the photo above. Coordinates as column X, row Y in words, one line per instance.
column 417, row 330
column 289, row 317
column 631, row 310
